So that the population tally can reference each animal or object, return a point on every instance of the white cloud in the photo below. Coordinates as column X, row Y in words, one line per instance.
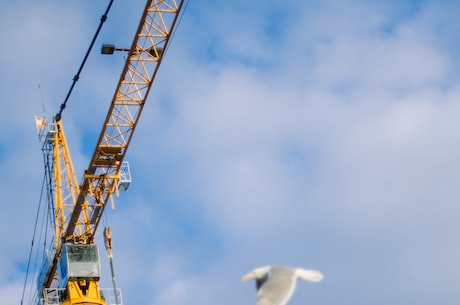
column 327, row 140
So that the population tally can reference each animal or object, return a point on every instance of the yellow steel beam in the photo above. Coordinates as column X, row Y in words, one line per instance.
column 66, row 186
column 101, row 177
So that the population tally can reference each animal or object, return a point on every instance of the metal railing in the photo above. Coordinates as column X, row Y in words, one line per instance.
column 54, row 296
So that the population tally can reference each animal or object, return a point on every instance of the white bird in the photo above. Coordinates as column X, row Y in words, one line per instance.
column 276, row 284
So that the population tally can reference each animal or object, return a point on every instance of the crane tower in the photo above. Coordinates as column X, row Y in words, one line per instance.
column 70, row 272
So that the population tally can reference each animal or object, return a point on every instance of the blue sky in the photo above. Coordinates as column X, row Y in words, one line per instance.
column 321, row 134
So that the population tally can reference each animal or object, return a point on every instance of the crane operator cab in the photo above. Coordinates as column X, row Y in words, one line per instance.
column 79, row 273
column 79, row 262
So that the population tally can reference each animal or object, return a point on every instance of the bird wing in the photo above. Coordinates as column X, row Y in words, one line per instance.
column 309, row 275
column 261, row 281
column 278, row 288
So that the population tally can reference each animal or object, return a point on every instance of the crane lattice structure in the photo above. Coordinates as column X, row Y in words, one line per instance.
column 70, row 272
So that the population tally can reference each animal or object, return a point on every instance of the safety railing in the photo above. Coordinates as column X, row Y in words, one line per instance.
column 55, row 296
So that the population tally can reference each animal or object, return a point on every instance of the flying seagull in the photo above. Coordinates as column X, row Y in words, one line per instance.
column 276, row 284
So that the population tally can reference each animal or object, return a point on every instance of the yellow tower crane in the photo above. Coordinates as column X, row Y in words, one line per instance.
column 70, row 272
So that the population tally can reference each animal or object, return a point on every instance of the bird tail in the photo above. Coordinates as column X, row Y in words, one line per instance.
column 309, row 275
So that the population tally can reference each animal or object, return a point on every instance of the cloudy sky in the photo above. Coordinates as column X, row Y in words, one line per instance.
column 321, row 134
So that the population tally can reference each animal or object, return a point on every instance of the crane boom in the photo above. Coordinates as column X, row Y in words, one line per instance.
column 145, row 56
column 79, row 208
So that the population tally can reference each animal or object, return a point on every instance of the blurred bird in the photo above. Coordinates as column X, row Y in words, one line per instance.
column 276, row 284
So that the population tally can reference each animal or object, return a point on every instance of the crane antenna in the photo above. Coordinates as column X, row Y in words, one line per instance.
column 42, row 101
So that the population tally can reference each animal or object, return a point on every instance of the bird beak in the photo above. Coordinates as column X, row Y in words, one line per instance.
column 247, row 277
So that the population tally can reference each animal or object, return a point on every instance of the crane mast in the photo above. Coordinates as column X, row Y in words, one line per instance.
column 70, row 272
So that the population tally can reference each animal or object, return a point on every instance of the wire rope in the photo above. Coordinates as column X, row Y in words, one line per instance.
column 42, row 238
column 33, row 240
column 77, row 76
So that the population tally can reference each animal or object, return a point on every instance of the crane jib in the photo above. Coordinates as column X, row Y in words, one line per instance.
column 145, row 56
